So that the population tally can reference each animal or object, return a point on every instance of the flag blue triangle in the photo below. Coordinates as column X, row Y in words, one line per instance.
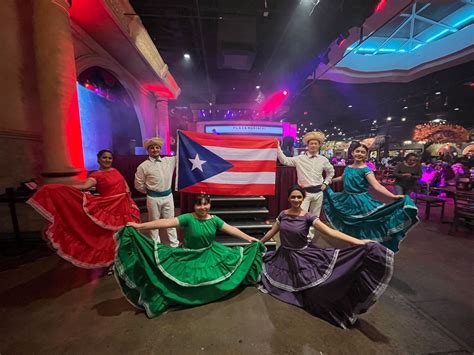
column 189, row 173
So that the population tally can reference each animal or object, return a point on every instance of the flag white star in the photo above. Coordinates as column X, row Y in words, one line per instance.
column 197, row 163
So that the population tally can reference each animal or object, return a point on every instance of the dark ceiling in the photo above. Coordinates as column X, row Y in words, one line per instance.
column 236, row 45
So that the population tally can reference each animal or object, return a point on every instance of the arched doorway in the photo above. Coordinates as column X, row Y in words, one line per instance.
column 108, row 119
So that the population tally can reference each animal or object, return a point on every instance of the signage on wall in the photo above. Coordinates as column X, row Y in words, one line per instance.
column 244, row 130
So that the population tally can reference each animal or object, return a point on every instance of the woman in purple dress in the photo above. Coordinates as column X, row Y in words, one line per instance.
column 333, row 284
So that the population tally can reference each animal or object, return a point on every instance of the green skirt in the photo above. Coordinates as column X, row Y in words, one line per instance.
column 155, row 277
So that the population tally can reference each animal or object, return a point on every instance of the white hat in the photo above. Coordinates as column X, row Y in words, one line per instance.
column 153, row 141
column 317, row 135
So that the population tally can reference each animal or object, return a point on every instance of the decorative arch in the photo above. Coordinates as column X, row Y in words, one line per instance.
column 126, row 80
column 109, row 113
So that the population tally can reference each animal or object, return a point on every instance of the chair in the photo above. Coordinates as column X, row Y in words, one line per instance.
column 463, row 210
column 422, row 196
column 385, row 177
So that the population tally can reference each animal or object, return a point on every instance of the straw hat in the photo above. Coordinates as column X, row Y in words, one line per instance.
column 317, row 135
column 153, row 141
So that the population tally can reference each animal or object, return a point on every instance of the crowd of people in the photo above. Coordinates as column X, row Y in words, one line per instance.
column 95, row 230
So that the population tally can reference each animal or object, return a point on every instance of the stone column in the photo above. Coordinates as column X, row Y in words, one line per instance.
column 56, row 77
column 163, row 123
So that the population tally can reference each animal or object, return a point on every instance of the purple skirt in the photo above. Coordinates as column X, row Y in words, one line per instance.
column 333, row 284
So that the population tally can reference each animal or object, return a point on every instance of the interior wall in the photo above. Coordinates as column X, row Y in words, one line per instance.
column 21, row 155
column 20, row 123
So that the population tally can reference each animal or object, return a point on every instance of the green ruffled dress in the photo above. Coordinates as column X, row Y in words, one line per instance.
column 154, row 276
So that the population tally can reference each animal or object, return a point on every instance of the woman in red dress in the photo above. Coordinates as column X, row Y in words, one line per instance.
column 80, row 225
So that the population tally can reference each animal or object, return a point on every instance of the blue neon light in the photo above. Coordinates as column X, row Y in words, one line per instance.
column 439, row 34
column 468, row 17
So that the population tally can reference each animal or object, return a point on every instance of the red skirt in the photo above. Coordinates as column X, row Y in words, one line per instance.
column 81, row 226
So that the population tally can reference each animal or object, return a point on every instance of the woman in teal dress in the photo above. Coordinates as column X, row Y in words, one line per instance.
column 356, row 213
column 154, row 276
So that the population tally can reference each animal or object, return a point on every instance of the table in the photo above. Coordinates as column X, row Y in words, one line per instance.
column 11, row 197
column 453, row 190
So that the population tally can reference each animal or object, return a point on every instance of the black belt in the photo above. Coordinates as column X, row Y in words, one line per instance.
column 313, row 189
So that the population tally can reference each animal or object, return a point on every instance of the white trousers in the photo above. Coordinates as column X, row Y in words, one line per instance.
column 162, row 207
column 312, row 203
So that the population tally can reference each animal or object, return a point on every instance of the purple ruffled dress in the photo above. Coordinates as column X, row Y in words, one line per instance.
column 333, row 284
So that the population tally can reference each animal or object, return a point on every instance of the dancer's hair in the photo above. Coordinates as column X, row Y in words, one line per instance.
column 202, row 198
column 356, row 145
column 103, row 151
column 409, row 155
column 296, row 188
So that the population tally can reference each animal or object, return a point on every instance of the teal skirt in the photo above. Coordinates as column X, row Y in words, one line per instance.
column 362, row 217
column 154, row 276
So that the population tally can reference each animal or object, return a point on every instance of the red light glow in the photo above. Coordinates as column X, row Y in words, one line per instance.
column 160, row 90
column 74, row 134
column 274, row 102
column 380, row 6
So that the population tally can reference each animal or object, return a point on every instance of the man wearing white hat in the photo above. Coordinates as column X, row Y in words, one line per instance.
column 309, row 170
column 153, row 178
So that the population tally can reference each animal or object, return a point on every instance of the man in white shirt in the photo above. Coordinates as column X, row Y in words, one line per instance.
column 309, row 170
column 153, row 178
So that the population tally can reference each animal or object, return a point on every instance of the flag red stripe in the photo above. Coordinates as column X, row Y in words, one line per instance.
column 243, row 142
column 231, row 189
column 242, row 166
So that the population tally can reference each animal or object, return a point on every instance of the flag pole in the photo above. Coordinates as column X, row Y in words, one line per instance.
column 177, row 161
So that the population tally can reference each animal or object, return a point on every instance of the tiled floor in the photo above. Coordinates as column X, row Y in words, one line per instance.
column 49, row 306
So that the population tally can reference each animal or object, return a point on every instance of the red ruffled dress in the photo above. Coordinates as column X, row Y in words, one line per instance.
column 81, row 226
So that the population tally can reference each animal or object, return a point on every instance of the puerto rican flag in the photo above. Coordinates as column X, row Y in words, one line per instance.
column 226, row 165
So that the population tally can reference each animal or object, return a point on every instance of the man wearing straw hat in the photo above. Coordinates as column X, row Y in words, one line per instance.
column 153, row 178
column 309, row 170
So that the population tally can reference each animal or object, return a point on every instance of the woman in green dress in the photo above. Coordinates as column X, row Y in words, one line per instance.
column 356, row 213
column 154, row 276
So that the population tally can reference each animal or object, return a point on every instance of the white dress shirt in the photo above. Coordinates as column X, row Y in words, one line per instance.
column 155, row 174
column 309, row 169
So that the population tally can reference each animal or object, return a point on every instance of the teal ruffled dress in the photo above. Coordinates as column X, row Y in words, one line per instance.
column 154, row 276
column 356, row 213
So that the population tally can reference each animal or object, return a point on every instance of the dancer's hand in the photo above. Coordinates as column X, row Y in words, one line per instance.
column 253, row 240
column 367, row 241
column 133, row 224
column 323, row 187
column 398, row 197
